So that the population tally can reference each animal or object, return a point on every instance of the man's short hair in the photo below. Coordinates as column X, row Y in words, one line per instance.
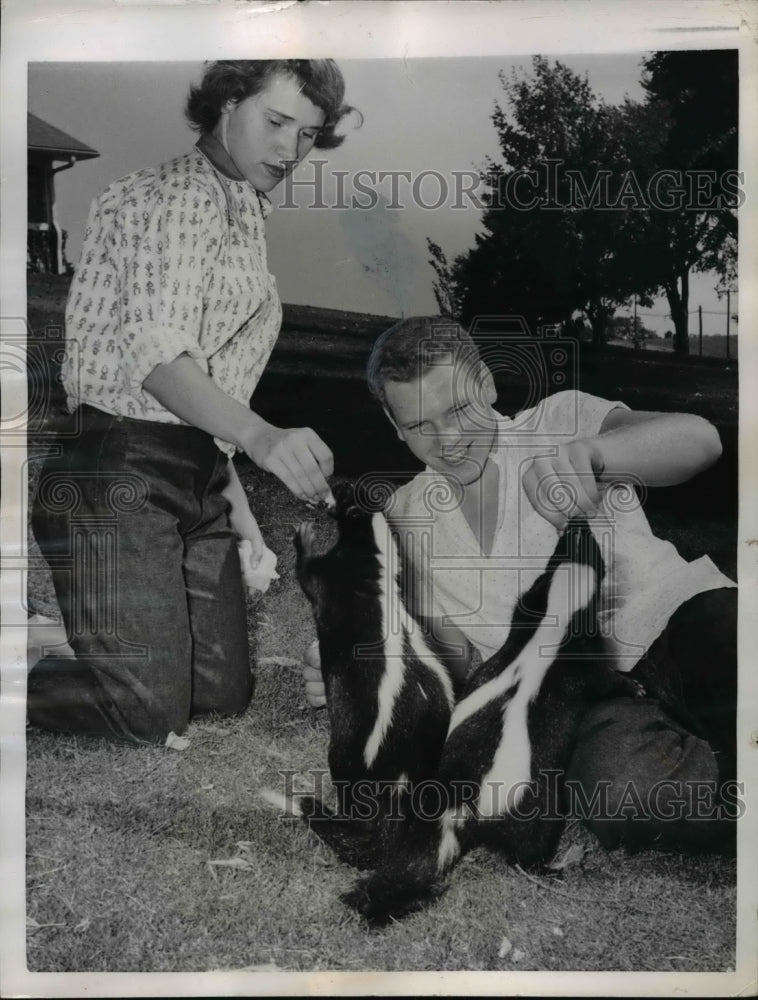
column 412, row 346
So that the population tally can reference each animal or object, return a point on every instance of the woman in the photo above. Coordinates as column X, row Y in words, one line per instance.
column 170, row 320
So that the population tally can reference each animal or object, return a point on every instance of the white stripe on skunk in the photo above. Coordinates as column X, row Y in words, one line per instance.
column 397, row 628
column 511, row 771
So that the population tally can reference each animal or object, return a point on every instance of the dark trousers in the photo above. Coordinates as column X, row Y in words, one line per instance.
column 131, row 519
column 659, row 771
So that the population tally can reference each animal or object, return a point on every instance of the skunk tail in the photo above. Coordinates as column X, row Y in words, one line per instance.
column 414, row 879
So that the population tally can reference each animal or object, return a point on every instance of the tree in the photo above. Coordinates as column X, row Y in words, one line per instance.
column 582, row 212
column 548, row 248
column 694, row 96
column 623, row 328
column 446, row 288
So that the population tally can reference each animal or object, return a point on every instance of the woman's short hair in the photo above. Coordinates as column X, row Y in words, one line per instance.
column 412, row 346
column 236, row 79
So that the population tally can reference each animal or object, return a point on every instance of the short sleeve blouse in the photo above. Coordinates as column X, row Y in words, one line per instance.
column 173, row 261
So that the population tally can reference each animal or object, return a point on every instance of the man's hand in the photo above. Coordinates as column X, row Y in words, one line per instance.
column 564, row 485
column 315, row 693
column 633, row 446
column 297, row 456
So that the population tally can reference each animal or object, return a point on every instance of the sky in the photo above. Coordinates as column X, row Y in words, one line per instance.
column 429, row 117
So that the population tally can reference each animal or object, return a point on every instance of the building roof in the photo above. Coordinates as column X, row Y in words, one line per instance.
column 44, row 138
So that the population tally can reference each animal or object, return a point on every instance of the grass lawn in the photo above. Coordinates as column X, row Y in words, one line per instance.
column 124, row 848
column 150, row 859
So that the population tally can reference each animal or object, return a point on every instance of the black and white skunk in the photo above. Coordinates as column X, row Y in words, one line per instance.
column 510, row 738
column 389, row 696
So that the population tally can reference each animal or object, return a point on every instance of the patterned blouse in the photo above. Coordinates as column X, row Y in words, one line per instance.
column 173, row 261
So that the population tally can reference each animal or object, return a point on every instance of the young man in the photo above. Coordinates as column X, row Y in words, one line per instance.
column 478, row 526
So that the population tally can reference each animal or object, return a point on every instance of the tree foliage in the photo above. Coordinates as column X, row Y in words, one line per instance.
column 547, row 250
column 696, row 93
column 624, row 328
column 569, row 225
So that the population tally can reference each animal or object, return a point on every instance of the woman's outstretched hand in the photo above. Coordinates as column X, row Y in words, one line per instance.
column 297, row 456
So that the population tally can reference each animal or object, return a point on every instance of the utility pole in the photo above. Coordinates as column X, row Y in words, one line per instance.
column 634, row 328
column 728, row 317
column 700, row 329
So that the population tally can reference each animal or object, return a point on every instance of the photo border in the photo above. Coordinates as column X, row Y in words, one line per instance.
column 101, row 30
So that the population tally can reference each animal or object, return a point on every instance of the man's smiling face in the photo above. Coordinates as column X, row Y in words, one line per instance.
column 445, row 417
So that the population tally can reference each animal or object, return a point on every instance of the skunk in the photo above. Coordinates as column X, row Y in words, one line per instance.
column 510, row 737
column 389, row 696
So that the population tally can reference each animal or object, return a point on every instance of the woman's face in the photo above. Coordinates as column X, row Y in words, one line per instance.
column 269, row 133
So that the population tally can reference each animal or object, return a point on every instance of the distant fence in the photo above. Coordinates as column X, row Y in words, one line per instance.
column 703, row 343
column 713, row 346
